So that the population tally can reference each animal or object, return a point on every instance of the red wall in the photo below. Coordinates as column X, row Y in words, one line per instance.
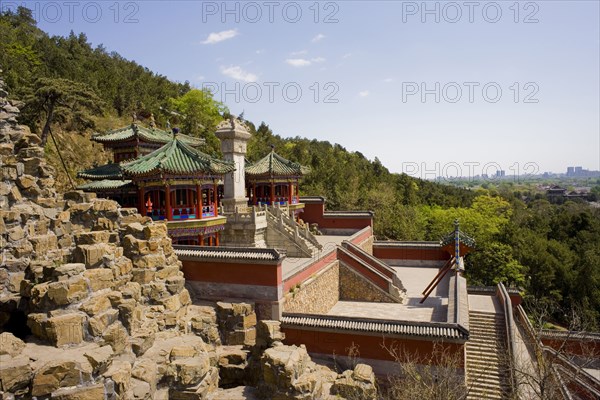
column 589, row 348
column 378, row 280
column 312, row 269
column 368, row 346
column 407, row 253
column 315, row 213
column 251, row 274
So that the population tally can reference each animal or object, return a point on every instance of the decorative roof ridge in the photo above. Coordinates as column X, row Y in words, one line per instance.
column 244, row 253
column 375, row 325
column 272, row 161
column 159, row 158
column 107, row 171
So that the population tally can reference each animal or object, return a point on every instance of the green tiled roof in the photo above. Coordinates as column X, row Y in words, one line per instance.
column 106, row 184
column 275, row 165
column 176, row 158
column 108, row 171
column 152, row 135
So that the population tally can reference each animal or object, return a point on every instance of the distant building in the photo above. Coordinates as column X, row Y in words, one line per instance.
column 579, row 172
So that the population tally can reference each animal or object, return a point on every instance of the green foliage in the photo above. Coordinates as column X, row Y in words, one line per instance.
column 61, row 100
column 200, row 116
column 27, row 53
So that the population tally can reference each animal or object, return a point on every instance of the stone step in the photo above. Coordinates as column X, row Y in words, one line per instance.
column 485, row 346
column 487, row 384
column 477, row 394
column 483, row 321
column 484, row 355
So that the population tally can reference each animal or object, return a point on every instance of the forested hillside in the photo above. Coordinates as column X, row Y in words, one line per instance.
column 72, row 89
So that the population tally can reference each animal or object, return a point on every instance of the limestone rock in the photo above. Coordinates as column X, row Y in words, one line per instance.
column 98, row 324
column 146, row 370
column 57, row 374
column 96, row 305
column 15, row 374
column 99, row 278
column 66, row 292
column 237, row 323
column 359, row 383
column 282, row 365
column 120, row 373
column 99, row 358
column 11, row 345
column 116, row 336
column 66, row 329
column 190, row 371
column 232, row 366
column 92, row 392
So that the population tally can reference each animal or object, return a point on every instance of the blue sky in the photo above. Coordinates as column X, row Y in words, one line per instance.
column 436, row 88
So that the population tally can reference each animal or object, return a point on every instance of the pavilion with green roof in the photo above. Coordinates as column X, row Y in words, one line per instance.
column 134, row 141
column 179, row 184
column 274, row 180
column 176, row 183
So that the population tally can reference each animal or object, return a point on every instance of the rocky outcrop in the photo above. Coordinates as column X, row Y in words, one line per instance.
column 97, row 293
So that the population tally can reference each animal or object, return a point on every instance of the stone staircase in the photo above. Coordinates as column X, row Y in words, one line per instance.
column 486, row 373
column 284, row 232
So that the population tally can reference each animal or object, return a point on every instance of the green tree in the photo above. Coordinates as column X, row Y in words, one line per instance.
column 61, row 100
column 200, row 115
column 492, row 263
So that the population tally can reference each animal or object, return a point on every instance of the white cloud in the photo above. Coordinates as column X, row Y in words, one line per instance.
column 217, row 37
column 364, row 93
column 303, row 62
column 260, row 51
column 236, row 72
column 299, row 53
column 347, row 55
column 388, row 80
column 318, row 38
column 200, row 78
column 298, row 62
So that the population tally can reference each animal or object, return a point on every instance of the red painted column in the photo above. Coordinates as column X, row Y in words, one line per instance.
column 198, row 202
column 254, row 199
column 168, row 202
column 290, row 194
column 216, row 199
column 141, row 200
column 272, row 193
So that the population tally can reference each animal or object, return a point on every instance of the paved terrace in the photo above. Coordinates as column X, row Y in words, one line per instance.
column 415, row 280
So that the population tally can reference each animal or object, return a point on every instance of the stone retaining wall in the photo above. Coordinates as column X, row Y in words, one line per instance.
column 316, row 295
column 353, row 287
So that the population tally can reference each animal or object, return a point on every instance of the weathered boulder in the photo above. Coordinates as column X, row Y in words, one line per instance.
column 65, row 329
column 237, row 323
column 116, row 336
column 11, row 345
column 357, row 384
column 57, row 374
column 233, row 361
column 91, row 392
column 15, row 374
column 119, row 372
column 67, row 291
column 99, row 358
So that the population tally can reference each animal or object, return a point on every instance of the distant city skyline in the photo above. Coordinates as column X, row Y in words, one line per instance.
column 433, row 84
